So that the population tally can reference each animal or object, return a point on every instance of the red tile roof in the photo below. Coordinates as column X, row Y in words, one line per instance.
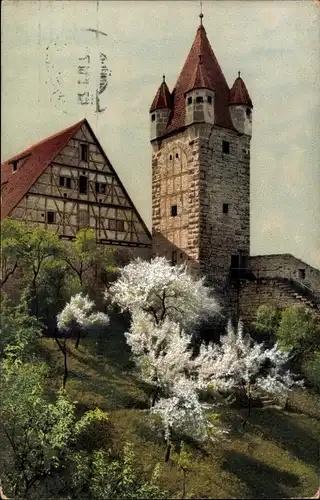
column 200, row 79
column 38, row 157
column 162, row 98
column 239, row 93
column 201, row 46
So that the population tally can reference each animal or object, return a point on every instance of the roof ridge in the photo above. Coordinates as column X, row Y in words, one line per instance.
column 39, row 143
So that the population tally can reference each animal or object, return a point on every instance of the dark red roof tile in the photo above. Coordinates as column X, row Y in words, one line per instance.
column 200, row 79
column 162, row 98
column 37, row 158
column 201, row 46
column 239, row 93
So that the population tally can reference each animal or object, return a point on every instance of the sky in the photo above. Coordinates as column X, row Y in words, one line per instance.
column 275, row 45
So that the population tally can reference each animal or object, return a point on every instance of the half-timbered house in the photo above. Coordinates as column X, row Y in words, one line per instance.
column 66, row 182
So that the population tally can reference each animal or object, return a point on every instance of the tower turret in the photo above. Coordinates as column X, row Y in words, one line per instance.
column 240, row 106
column 199, row 97
column 160, row 110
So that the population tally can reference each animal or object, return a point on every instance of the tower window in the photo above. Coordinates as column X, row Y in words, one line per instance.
column 177, row 155
column 173, row 257
column 209, row 99
column 199, row 98
column 14, row 166
column 170, row 157
column 248, row 112
column 225, row 208
column 226, row 147
column 189, row 100
column 51, row 217
column 174, row 210
column 302, row 274
column 153, row 117
column 84, row 152
column 83, row 184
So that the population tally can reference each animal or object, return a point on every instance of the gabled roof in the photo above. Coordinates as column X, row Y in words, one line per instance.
column 201, row 46
column 239, row 93
column 162, row 98
column 37, row 158
column 200, row 79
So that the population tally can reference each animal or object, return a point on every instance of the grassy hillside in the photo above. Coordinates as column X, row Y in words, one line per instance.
column 276, row 457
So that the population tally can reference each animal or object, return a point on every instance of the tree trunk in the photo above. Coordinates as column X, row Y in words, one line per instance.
column 184, row 484
column 249, row 409
column 78, row 340
column 154, row 399
column 63, row 349
column 166, row 459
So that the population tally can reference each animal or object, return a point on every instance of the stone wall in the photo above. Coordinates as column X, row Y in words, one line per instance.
column 286, row 266
column 191, row 171
column 267, row 291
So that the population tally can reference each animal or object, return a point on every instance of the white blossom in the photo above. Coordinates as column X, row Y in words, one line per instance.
column 183, row 413
column 240, row 363
column 161, row 351
column 162, row 291
column 79, row 310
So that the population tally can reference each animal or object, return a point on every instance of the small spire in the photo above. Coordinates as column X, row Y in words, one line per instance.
column 238, row 74
column 163, row 78
column 201, row 14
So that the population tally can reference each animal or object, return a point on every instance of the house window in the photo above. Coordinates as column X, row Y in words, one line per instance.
column 174, row 257
column 100, row 188
column 153, row 117
column 189, row 100
column 112, row 225
column 225, row 208
column 209, row 99
column 226, row 147
column 174, row 210
column 199, row 98
column 84, row 152
column 120, row 225
column 248, row 112
column 65, row 182
column 83, row 184
column 235, row 261
column 51, row 217
column 83, row 218
column 302, row 274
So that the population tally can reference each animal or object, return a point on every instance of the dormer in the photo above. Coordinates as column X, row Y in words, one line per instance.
column 160, row 110
column 199, row 97
column 240, row 106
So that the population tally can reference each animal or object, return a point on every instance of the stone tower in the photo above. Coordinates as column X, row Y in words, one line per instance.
column 200, row 137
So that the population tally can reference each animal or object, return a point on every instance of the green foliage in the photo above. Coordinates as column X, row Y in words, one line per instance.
column 311, row 369
column 298, row 330
column 102, row 477
column 267, row 319
column 19, row 332
column 14, row 247
column 38, row 433
column 185, row 462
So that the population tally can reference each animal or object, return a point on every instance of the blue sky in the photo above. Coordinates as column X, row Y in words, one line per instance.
column 276, row 45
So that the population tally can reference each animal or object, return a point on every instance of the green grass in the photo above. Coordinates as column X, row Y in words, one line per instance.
column 275, row 457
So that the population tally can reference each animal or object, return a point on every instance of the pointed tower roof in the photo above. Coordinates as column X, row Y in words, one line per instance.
column 239, row 93
column 216, row 80
column 162, row 98
column 200, row 78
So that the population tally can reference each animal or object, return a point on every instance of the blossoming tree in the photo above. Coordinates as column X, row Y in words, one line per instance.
column 240, row 365
column 163, row 291
column 76, row 315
